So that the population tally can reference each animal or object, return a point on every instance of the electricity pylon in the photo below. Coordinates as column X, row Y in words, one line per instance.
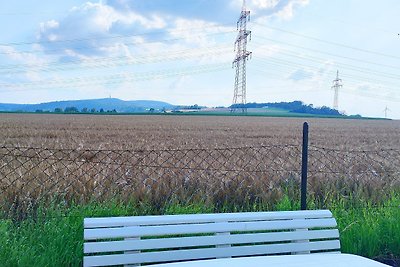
column 337, row 83
column 386, row 110
column 242, row 55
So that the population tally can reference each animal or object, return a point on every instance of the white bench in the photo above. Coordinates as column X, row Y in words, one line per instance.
column 171, row 238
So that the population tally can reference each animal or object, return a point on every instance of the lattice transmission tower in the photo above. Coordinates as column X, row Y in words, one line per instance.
column 242, row 55
column 337, row 83
column 386, row 111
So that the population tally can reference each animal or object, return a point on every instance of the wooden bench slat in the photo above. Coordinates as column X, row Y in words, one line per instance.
column 141, row 231
column 139, row 239
column 180, row 242
column 174, row 255
column 203, row 218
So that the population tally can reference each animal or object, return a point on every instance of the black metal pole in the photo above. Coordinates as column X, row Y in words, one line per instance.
column 304, row 162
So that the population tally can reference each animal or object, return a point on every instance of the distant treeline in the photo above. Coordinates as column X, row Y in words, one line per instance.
column 76, row 110
column 295, row 107
column 192, row 107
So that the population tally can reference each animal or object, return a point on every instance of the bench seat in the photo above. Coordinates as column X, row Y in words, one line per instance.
column 147, row 240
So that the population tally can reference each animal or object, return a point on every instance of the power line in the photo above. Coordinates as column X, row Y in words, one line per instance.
column 273, row 71
column 107, row 77
column 113, row 58
column 277, row 66
column 113, row 79
column 30, row 13
column 289, row 68
column 330, row 54
column 138, row 43
column 355, row 24
column 190, row 54
column 110, row 37
column 372, row 95
column 342, row 65
column 330, row 42
column 293, row 65
column 106, row 61
column 89, row 84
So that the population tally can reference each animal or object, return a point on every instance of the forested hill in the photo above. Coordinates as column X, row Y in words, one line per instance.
column 295, row 107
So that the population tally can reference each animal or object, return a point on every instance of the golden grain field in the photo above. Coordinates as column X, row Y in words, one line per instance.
column 217, row 160
column 155, row 132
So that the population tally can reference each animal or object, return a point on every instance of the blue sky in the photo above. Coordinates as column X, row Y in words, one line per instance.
column 181, row 51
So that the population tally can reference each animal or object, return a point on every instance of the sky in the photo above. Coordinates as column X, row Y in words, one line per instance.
column 181, row 52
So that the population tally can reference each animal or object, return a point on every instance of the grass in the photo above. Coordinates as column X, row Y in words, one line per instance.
column 278, row 113
column 56, row 239
column 370, row 231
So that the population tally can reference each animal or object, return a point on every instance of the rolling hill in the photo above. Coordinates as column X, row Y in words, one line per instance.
column 103, row 103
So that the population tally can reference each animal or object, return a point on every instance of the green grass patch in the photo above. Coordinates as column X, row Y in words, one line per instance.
column 54, row 236
column 278, row 113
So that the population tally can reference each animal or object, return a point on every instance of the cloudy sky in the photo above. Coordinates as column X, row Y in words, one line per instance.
column 181, row 51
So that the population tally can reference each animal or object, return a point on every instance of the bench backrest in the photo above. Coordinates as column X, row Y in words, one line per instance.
column 169, row 238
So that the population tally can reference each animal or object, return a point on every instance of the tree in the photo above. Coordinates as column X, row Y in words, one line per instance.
column 101, row 110
column 71, row 110
column 58, row 110
column 84, row 110
column 93, row 110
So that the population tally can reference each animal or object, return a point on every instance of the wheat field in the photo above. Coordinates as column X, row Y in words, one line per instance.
column 176, row 132
column 216, row 160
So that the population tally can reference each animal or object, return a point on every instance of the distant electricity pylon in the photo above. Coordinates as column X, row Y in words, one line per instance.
column 242, row 55
column 386, row 111
column 337, row 83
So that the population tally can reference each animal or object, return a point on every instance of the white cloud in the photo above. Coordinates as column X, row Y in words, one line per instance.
column 266, row 50
column 30, row 60
column 104, row 17
column 105, row 20
column 95, row 23
column 177, row 85
column 283, row 9
column 51, row 24
column 301, row 74
column 196, row 32
column 265, row 4
column 287, row 11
